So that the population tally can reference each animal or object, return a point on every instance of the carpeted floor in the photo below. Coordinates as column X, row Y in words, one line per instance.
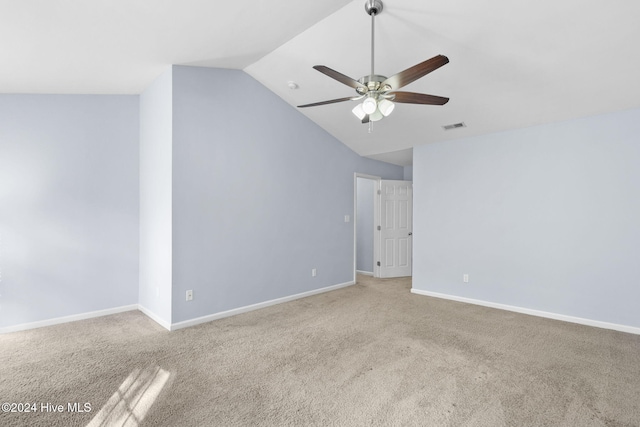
column 372, row 354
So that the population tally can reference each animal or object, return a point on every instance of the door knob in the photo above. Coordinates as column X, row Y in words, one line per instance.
column 410, row 234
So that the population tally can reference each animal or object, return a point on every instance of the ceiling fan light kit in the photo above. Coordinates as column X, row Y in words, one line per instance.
column 379, row 92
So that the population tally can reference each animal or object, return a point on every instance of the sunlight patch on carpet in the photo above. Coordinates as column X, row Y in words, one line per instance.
column 128, row 406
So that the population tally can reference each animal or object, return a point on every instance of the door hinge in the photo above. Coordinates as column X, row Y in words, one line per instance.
column 379, row 191
column 378, row 263
column 379, row 228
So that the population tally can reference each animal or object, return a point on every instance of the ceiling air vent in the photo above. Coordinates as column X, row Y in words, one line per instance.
column 454, row 126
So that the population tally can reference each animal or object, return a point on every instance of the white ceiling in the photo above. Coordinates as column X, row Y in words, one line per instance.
column 513, row 63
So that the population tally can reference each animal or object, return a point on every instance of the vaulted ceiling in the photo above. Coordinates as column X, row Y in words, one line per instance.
column 513, row 63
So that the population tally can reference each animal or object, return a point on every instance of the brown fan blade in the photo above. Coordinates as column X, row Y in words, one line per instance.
column 412, row 74
column 341, row 78
column 365, row 119
column 332, row 101
column 418, row 98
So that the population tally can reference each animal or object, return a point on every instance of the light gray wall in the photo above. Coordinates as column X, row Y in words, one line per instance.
column 68, row 205
column 364, row 232
column 259, row 194
column 156, row 128
column 408, row 173
column 545, row 218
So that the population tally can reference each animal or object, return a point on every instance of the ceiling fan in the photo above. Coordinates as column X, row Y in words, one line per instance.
column 379, row 92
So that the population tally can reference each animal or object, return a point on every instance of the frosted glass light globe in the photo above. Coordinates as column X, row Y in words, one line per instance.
column 359, row 112
column 375, row 116
column 386, row 107
column 369, row 105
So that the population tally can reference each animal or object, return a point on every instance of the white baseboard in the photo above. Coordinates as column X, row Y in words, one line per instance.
column 366, row 273
column 245, row 309
column 169, row 326
column 548, row 315
column 67, row 319
column 159, row 320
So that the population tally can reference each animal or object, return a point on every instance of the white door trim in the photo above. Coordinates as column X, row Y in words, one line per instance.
column 376, row 220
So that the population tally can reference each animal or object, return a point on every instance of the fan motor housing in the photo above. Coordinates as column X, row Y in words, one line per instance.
column 373, row 83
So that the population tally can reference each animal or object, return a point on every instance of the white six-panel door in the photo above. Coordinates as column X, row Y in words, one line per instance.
column 395, row 232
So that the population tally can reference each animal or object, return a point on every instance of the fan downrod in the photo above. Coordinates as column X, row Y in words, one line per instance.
column 373, row 7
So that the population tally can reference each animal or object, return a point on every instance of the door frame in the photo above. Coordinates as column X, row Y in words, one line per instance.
column 376, row 220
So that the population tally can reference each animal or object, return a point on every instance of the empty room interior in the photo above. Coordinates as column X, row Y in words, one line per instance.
column 356, row 212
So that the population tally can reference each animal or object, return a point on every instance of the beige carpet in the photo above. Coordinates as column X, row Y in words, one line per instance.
column 369, row 354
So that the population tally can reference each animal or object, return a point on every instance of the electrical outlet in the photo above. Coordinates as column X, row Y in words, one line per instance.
column 465, row 278
column 347, row 218
column 314, row 272
column 189, row 295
